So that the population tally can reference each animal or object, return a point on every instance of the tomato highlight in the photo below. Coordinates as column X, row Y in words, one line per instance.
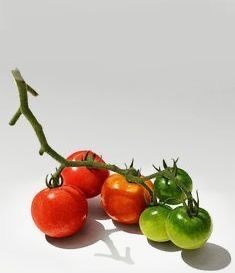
column 188, row 232
column 124, row 201
column 153, row 223
column 169, row 192
column 59, row 212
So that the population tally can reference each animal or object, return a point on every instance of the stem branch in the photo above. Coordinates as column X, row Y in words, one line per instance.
column 15, row 117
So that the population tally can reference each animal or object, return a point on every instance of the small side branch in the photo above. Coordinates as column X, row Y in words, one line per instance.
column 29, row 89
column 15, row 117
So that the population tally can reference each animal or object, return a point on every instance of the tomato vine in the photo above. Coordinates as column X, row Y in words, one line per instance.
column 130, row 173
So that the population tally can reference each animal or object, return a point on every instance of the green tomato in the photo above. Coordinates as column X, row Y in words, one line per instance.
column 188, row 232
column 167, row 190
column 152, row 223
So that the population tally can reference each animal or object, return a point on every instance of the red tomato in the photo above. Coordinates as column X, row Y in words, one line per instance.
column 123, row 201
column 59, row 212
column 88, row 180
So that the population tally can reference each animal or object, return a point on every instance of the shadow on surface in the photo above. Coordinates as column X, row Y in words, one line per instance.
column 95, row 209
column 91, row 233
column 115, row 254
column 96, row 212
column 166, row 246
column 134, row 229
column 211, row 257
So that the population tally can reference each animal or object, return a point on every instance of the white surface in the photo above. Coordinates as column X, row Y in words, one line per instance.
column 102, row 246
column 144, row 79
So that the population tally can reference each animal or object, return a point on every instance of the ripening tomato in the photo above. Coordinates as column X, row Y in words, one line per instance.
column 88, row 180
column 167, row 190
column 59, row 212
column 188, row 232
column 124, row 201
column 153, row 222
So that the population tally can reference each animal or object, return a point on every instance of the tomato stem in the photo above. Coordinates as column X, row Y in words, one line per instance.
column 131, row 174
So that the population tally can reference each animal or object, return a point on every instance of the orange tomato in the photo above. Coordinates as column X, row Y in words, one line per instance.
column 124, row 201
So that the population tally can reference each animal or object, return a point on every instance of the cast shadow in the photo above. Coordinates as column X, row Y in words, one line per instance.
column 211, row 257
column 166, row 246
column 134, row 228
column 91, row 233
column 115, row 254
column 95, row 210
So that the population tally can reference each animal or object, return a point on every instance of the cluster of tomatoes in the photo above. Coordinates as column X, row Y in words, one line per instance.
column 61, row 210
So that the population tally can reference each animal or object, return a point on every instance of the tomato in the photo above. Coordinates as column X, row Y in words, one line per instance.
column 88, row 180
column 167, row 190
column 124, row 201
column 59, row 212
column 152, row 222
column 188, row 232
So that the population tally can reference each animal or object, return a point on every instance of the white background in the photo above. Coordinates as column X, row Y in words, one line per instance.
column 143, row 79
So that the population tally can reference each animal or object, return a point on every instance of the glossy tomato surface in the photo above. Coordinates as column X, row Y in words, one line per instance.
column 124, row 201
column 188, row 232
column 59, row 212
column 153, row 222
column 167, row 190
column 88, row 180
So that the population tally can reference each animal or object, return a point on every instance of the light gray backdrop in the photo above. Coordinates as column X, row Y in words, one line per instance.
column 143, row 79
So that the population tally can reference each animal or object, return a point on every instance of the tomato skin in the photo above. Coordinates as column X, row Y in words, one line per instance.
column 167, row 190
column 188, row 232
column 124, row 201
column 152, row 223
column 59, row 212
column 88, row 180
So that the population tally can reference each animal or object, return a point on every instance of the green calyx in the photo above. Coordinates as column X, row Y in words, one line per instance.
column 54, row 182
